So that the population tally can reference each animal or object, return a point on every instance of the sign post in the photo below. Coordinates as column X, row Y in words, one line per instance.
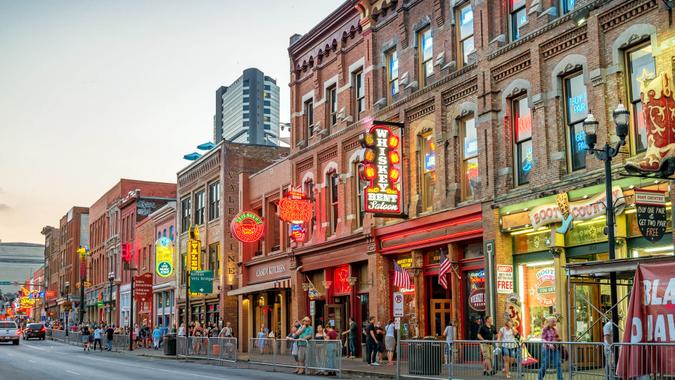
column 398, row 304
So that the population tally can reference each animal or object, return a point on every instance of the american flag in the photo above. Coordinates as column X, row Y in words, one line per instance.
column 401, row 277
column 443, row 270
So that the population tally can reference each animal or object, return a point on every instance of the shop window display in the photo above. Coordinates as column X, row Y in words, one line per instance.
column 536, row 285
column 475, row 298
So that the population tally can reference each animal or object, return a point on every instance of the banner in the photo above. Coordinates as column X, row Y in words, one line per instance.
column 163, row 257
column 584, row 209
column 650, row 320
column 143, row 292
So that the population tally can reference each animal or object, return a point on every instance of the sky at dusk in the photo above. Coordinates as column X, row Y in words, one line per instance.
column 94, row 91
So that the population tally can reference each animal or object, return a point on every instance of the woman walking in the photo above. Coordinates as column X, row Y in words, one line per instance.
column 507, row 340
column 85, row 338
column 550, row 352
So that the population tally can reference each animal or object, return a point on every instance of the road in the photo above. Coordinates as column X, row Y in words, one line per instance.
column 47, row 359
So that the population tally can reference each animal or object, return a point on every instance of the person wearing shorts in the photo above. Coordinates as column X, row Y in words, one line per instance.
column 486, row 334
column 305, row 333
column 507, row 340
column 390, row 342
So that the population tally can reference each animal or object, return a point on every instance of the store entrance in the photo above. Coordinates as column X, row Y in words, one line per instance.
column 438, row 306
column 474, row 302
column 336, row 316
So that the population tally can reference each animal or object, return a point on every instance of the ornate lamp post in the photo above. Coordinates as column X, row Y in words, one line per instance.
column 111, row 278
column 605, row 154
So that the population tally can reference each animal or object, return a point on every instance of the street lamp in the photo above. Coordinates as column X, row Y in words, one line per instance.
column 82, row 251
column 111, row 278
column 605, row 154
column 68, row 307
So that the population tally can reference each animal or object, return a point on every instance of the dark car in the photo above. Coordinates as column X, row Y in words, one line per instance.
column 34, row 330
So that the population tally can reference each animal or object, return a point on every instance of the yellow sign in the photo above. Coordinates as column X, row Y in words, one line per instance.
column 195, row 251
column 163, row 257
column 87, row 284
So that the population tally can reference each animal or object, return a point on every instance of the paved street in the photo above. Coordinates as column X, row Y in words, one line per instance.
column 53, row 360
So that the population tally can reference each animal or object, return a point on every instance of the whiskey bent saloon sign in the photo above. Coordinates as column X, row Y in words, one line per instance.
column 382, row 169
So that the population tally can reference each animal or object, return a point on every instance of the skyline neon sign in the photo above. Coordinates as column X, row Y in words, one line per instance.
column 382, row 159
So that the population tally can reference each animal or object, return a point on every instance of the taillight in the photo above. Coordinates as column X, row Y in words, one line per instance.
column 43, row 329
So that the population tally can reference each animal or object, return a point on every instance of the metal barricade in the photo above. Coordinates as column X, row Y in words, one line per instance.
column 120, row 342
column 222, row 349
column 324, row 356
column 319, row 356
column 422, row 359
column 261, row 351
column 181, row 346
column 642, row 360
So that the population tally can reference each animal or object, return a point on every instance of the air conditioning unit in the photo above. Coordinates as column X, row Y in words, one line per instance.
column 440, row 59
column 349, row 118
column 380, row 103
column 413, row 85
column 341, row 114
column 403, row 80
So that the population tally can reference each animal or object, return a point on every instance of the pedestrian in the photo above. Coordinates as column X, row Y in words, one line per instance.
column 390, row 341
column 109, row 334
column 608, row 340
column 486, row 334
column 181, row 329
column 293, row 337
column 449, row 334
column 305, row 333
column 371, row 342
column 319, row 349
column 226, row 331
column 353, row 335
column 332, row 347
column 197, row 334
column 550, row 351
column 261, row 340
column 156, row 335
column 137, row 336
column 85, row 338
column 381, row 348
column 509, row 345
column 98, row 332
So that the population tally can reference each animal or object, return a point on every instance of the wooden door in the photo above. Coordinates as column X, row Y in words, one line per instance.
column 440, row 316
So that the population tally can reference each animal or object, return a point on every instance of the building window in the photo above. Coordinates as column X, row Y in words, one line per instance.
column 213, row 258
column 425, row 51
column 469, row 157
column 309, row 117
column 567, row 6
column 522, row 127
column 576, row 109
column 639, row 63
column 199, row 207
column 259, row 243
column 214, row 200
column 186, row 214
column 359, row 186
column 392, row 74
column 273, row 229
column 518, row 17
column 359, row 93
column 464, row 17
column 309, row 193
column 332, row 181
column 332, row 105
column 426, row 169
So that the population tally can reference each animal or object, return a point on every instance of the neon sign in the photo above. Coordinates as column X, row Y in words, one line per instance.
column 297, row 210
column 163, row 257
column 247, row 227
column 381, row 160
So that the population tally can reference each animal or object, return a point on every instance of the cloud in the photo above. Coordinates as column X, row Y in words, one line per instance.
column 4, row 207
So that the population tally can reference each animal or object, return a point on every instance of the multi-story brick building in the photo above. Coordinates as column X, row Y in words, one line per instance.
column 164, row 285
column 208, row 198
column 51, row 271
column 73, row 234
column 492, row 98
column 105, row 232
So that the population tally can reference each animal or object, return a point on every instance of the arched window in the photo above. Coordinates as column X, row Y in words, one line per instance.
column 426, row 168
column 639, row 62
column 575, row 110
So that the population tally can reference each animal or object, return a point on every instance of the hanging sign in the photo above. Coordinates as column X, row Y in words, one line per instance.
column 163, row 257
column 247, row 227
column 297, row 210
column 652, row 219
column 382, row 168
column 504, row 279
column 195, row 250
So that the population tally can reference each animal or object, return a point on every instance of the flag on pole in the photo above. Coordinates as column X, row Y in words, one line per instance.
column 443, row 270
column 401, row 277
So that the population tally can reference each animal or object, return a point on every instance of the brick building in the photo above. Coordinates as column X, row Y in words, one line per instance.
column 105, row 232
column 492, row 97
column 208, row 198
column 73, row 233
column 264, row 291
column 164, row 285
column 51, row 271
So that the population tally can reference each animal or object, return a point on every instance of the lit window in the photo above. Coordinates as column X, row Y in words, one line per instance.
column 522, row 127
column 576, row 109
column 359, row 185
column 465, row 32
column 639, row 62
column 309, row 117
column 469, row 157
column 332, row 180
column 567, row 6
column 359, row 93
column 425, row 51
column 392, row 74
column 426, row 169
column 518, row 17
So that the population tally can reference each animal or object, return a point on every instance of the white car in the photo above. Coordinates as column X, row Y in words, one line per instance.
column 9, row 331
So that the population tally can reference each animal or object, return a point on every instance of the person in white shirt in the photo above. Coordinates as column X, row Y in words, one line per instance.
column 608, row 338
column 449, row 334
column 390, row 342
column 507, row 340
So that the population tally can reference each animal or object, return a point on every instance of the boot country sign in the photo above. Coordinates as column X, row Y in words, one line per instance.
column 650, row 207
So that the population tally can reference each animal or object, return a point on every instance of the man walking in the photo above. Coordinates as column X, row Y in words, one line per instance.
column 371, row 342
column 486, row 335
column 98, row 332
column 109, row 333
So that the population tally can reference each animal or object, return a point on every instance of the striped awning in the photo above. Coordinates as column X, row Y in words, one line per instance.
column 276, row 284
column 283, row 283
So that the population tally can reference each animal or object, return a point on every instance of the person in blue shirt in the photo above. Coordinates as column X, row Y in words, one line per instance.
column 305, row 333
column 156, row 336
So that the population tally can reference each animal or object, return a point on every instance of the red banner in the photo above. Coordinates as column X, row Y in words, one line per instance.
column 650, row 320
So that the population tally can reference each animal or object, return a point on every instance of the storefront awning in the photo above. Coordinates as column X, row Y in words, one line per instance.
column 276, row 284
column 623, row 267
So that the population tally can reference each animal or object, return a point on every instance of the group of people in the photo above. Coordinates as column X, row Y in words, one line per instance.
column 93, row 335
column 322, row 355
column 210, row 330
column 380, row 340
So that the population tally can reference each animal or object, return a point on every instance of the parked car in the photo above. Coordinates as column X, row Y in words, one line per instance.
column 34, row 330
column 9, row 331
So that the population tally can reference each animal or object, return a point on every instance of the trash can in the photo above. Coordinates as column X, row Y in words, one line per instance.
column 425, row 358
column 169, row 342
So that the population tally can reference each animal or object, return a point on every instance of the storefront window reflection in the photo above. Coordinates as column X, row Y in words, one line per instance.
column 537, row 292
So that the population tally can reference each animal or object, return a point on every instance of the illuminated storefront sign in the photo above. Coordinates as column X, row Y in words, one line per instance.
column 382, row 160
column 195, row 250
column 580, row 210
column 163, row 257
column 297, row 210
column 247, row 227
